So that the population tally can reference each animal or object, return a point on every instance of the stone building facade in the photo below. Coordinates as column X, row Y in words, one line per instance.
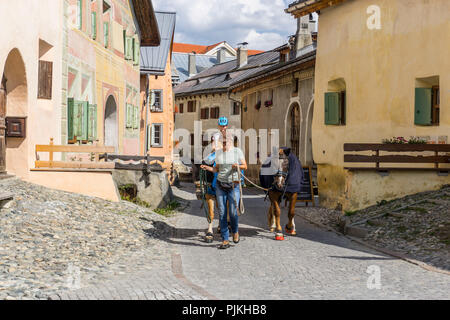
column 382, row 64
column 279, row 98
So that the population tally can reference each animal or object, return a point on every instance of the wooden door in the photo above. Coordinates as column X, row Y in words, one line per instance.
column 295, row 130
column 2, row 126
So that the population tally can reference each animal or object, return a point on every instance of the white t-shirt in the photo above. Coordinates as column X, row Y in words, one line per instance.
column 225, row 160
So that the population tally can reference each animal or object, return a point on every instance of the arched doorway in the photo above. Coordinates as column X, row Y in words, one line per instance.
column 293, row 130
column 13, row 103
column 111, row 128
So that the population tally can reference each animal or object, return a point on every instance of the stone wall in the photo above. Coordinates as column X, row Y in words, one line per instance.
column 154, row 188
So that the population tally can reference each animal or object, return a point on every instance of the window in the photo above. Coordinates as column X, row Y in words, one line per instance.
column 94, row 25
column 192, row 106
column 81, row 121
column 427, row 101
column 106, row 20
column 192, row 139
column 215, row 113
column 335, row 108
column 156, row 102
column 336, row 103
column 204, row 113
column 181, row 107
column 80, row 14
column 136, row 51
column 45, row 80
column 235, row 108
column 106, row 34
column 295, row 87
column 156, row 135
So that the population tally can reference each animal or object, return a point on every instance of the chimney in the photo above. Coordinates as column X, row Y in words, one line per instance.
column 192, row 68
column 221, row 54
column 242, row 57
column 303, row 32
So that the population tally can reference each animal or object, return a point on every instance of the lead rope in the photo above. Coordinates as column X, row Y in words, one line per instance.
column 203, row 188
column 241, row 208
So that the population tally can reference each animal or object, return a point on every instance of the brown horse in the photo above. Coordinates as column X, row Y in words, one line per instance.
column 275, row 195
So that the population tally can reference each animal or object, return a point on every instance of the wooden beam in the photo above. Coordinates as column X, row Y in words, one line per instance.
column 396, row 159
column 396, row 147
column 74, row 164
column 75, row 149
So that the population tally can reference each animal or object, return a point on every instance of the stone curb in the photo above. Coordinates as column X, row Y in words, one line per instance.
column 421, row 264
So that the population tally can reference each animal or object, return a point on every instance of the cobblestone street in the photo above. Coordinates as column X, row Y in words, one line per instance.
column 149, row 256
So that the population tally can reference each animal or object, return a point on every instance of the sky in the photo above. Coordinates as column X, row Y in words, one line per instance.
column 261, row 23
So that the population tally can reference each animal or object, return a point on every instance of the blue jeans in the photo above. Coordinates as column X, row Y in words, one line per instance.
column 233, row 196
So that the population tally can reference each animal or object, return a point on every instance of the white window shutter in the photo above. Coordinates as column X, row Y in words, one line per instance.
column 153, row 98
column 149, row 136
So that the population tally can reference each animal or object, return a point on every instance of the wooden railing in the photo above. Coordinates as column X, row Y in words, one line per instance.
column 95, row 150
column 441, row 156
column 101, row 158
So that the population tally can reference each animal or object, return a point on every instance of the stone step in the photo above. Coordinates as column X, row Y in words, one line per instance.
column 4, row 176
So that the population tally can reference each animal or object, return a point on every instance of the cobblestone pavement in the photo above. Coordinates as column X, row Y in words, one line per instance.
column 126, row 252
column 315, row 264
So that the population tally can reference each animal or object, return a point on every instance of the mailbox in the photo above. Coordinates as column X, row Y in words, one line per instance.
column 16, row 127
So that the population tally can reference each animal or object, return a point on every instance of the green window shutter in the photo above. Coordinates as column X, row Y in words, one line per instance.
column 92, row 127
column 124, row 42
column 422, row 109
column 129, row 48
column 70, row 116
column 136, row 52
column 85, row 121
column 332, row 108
column 106, row 34
column 136, row 118
column 94, row 25
column 80, row 14
column 78, row 120
column 129, row 116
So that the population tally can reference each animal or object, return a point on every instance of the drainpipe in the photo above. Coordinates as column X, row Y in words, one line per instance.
column 147, row 92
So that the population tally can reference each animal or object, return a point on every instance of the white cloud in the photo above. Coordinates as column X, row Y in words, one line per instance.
column 262, row 23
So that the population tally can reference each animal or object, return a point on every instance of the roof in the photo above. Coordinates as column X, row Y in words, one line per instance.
column 305, row 55
column 303, row 7
column 146, row 23
column 201, row 49
column 154, row 59
column 180, row 61
column 221, row 76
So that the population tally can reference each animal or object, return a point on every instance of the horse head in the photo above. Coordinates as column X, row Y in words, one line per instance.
column 282, row 173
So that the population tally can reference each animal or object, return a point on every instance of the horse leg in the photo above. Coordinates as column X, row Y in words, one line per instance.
column 274, row 197
column 210, row 202
column 290, row 227
column 271, row 219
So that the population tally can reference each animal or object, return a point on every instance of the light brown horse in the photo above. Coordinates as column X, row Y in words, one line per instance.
column 275, row 195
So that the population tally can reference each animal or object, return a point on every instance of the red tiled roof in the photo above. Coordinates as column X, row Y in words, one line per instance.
column 200, row 49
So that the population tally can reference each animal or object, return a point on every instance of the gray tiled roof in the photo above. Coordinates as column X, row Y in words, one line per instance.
column 219, row 77
column 203, row 62
column 304, row 55
column 154, row 59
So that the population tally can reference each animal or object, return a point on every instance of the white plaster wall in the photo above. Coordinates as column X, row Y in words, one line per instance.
column 24, row 22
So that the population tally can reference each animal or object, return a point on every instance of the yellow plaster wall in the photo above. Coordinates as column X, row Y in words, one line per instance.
column 380, row 68
column 94, row 184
